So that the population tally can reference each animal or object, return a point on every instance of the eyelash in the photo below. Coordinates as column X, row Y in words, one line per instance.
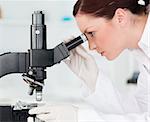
column 91, row 34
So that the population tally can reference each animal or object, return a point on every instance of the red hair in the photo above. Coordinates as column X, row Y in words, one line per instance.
column 107, row 8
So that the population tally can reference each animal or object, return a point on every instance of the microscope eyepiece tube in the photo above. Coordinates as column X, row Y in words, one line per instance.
column 38, row 18
column 38, row 31
column 76, row 42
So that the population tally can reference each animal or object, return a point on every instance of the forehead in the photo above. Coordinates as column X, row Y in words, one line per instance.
column 86, row 21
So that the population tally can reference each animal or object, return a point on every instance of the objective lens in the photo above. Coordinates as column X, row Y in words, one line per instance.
column 38, row 96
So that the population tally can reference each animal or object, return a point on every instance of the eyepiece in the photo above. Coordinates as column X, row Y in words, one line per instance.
column 84, row 38
column 38, row 18
column 76, row 42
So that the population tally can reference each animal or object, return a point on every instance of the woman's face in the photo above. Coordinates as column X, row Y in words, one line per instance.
column 104, row 36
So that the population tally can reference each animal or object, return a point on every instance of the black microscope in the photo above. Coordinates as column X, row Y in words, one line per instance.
column 33, row 63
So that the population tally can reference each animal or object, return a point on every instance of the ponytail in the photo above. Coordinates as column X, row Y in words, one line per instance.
column 144, row 5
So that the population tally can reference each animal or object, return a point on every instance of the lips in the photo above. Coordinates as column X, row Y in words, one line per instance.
column 102, row 53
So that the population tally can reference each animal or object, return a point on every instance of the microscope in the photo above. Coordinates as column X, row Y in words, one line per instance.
column 33, row 63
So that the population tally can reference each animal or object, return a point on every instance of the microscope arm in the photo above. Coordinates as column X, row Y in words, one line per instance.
column 20, row 62
column 13, row 63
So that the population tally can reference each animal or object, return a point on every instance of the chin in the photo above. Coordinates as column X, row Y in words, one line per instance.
column 110, row 58
column 113, row 55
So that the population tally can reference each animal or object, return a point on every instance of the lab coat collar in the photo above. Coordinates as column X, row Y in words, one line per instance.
column 144, row 42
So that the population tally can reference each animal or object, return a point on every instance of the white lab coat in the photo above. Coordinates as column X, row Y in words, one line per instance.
column 111, row 105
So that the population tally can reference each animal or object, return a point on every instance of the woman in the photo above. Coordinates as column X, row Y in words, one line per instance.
column 112, row 26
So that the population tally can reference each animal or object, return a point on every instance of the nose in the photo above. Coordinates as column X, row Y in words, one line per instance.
column 92, row 45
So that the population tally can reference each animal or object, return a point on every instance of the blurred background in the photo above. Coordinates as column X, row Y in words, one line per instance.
column 61, row 84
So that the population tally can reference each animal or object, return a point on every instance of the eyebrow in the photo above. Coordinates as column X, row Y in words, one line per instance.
column 85, row 31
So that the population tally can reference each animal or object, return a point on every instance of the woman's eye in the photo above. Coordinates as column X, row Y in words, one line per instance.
column 91, row 33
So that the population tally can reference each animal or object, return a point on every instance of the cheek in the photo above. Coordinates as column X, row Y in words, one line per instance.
column 108, row 37
column 104, row 40
column 113, row 48
column 110, row 42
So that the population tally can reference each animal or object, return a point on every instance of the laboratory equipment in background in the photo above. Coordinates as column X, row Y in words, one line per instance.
column 17, row 112
column 133, row 79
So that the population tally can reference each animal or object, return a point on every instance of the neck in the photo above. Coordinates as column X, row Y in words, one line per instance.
column 137, row 29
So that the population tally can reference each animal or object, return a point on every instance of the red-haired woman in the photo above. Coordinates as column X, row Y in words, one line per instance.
column 112, row 26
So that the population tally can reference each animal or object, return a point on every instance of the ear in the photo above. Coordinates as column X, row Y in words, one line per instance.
column 120, row 17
